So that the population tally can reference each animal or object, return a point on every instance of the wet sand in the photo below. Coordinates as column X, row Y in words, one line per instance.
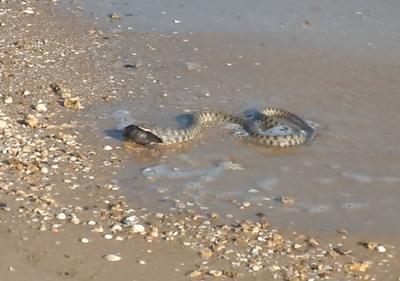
column 314, row 60
column 73, row 193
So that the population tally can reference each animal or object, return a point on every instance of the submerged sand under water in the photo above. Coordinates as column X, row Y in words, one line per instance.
column 332, row 64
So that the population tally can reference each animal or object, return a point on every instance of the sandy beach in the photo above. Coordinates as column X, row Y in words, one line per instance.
column 74, row 204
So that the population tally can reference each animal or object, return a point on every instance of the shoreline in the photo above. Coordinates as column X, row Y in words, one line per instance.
column 61, row 216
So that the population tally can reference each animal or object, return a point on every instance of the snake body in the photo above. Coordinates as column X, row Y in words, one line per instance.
column 268, row 118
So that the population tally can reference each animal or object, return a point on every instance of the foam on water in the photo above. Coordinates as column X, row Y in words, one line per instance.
column 164, row 171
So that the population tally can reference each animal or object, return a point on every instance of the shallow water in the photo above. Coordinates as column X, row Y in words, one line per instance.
column 334, row 64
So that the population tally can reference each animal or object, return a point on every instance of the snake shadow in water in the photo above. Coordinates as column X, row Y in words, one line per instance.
column 184, row 120
column 114, row 133
column 252, row 114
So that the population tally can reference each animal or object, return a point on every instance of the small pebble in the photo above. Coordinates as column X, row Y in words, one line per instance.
column 130, row 220
column 138, row 228
column 286, row 200
column 357, row 266
column 31, row 121
column 84, row 240
column 154, row 234
column 28, row 11
column 3, row 124
column 112, row 257
column 98, row 229
column 206, row 253
column 215, row 273
column 246, row 204
column 115, row 16
column 91, row 222
column 191, row 66
column 108, row 147
column 8, row 100
column 75, row 220
column 41, row 107
column 72, row 103
column 180, row 205
column 159, row 215
column 195, row 273
column 108, row 236
column 116, row 228
column 381, row 249
column 61, row 216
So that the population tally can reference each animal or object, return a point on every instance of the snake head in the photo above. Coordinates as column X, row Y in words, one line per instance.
column 141, row 136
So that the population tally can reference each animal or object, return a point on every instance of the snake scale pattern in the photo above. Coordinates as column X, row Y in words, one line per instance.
column 267, row 119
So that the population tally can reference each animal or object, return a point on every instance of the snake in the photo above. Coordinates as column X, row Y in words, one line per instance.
column 267, row 118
